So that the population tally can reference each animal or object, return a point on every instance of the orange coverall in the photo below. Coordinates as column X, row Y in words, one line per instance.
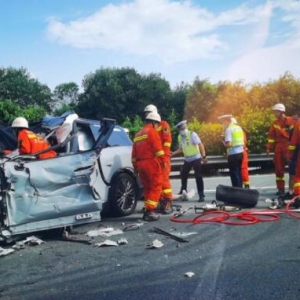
column 147, row 159
column 278, row 137
column 295, row 141
column 30, row 143
column 164, row 132
column 244, row 166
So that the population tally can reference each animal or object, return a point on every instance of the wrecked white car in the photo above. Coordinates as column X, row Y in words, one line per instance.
column 92, row 173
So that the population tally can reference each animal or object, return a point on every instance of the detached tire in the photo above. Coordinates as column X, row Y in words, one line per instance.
column 123, row 195
column 244, row 198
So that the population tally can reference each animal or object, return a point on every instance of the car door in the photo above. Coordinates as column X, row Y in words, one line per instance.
column 44, row 190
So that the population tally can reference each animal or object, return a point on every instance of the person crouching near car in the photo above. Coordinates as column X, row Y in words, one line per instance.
column 148, row 160
column 29, row 142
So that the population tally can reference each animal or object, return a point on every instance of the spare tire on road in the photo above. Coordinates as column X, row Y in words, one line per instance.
column 236, row 196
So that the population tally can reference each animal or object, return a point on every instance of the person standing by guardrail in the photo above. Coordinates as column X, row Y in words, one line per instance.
column 194, row 155
column 293, row 159
column 234, row 144
column 278, row 138
column 293, row 152
column 293, row 149
column 245, row 162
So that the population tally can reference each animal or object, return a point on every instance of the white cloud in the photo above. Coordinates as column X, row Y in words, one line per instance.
column 173, row 31
column 262, row 63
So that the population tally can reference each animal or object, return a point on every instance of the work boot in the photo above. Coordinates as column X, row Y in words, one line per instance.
column 288, row 196
column 166, row 207
column 149, row 216
column 296, row 203
column 280, row 192
column 201, row 198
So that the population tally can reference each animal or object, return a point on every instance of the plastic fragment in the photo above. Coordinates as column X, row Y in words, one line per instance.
column 106, row 243
column 189, row 274
column 122, row 241
column 4, row 252
column 188, row 195
column 154, row 244
column 32, row 241
column 109, row 231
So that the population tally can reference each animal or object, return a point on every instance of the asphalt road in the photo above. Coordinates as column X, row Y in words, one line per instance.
column 259, row 261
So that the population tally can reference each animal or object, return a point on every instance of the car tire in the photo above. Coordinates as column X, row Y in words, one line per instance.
column 123, row 195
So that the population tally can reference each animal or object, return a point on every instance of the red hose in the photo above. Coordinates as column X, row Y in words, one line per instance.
column 244, row 218
column 198, row 219
column 289, row 211
column 247, row 219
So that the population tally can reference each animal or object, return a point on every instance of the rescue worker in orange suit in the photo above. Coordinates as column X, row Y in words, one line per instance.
column 29, row 142
column 278, row 138
column 245, row 161
column 164, row 131
column 292, row 148
column 147, row 160
column 292, row 160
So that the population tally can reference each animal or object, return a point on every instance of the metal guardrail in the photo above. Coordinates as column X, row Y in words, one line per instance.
column 218, row 164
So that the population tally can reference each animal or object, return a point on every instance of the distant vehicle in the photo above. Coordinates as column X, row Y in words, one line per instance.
column 91, row 174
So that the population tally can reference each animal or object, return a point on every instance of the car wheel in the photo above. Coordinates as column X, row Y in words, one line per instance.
column 123, row 195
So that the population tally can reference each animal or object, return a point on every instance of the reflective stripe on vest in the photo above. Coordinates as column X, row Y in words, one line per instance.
column 189, row 149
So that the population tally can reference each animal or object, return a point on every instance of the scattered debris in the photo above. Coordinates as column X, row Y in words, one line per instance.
column 172, row 236
column 182, row 212
column 154, row 244
column 109, row 231
column 134, row 226
column 18, row 246
column 122, row 241
column 75, row 238
column 106, row 243
column 275, row 203
column 31, row 240
column 184, row 234
column 189, row 274
column 188, row 195
column 4, row 252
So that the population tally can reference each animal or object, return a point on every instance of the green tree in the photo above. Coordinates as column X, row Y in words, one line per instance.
column 118, row 93
column 201, row 98
column 113, row 93
column 9, row 111
column 64, row 96
column 18, row 86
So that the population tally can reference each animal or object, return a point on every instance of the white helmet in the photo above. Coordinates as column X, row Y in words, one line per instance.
column 153, row 116
column 150, row 108
column 233, row 120
column 19, row 122
column 279, row 107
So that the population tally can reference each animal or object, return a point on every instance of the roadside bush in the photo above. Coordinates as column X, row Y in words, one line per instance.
column 255, row 121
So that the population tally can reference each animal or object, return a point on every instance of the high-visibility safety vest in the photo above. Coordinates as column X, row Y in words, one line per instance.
column 189, row 149
column 237, row 135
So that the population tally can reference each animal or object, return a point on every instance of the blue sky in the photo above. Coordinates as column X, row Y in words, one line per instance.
column 60, row 41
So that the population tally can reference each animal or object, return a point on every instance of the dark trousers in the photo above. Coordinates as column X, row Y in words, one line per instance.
column 184, row 174
column 235, row 164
